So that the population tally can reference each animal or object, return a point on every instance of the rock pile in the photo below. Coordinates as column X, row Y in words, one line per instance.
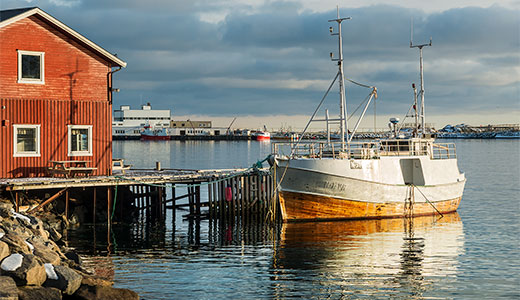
column 32, row 265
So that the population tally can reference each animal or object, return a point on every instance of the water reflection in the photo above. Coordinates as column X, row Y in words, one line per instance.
column 381, row 258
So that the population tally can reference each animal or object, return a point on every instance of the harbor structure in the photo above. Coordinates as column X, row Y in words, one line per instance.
column 125, row 116
column 130, row 123
column 55, row 95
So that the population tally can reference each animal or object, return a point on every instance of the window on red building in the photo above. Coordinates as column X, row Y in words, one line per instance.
column 80, row 140
column 31, row 67
column 26, row 140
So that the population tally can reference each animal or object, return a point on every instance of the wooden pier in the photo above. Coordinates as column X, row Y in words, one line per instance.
column 214, row 194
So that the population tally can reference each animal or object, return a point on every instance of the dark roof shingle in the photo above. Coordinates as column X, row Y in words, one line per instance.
column 9, row 13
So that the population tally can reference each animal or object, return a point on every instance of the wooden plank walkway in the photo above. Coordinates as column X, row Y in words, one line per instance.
column 230, row 194
column 132, row 177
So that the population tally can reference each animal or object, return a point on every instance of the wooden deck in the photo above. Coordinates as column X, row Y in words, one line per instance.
column 131, row 177
column 230, row 193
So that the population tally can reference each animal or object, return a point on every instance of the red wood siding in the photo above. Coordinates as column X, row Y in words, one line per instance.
column 71, row 70
column 54, row 116
column 74, row 93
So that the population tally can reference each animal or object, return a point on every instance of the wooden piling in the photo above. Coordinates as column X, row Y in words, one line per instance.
column 197, row 201
column 17, row 200
column 210, row 200
column 160, row 203
column 109, row 206
column 94, row 200
column 67, row 205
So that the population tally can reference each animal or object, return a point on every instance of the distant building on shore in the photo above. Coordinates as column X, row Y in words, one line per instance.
column 127, row 117
column 130, row 122
column 55, row 95
column 189, row 127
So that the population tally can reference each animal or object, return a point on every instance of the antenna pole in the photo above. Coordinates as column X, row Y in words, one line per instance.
column 422, row 91
column 343, row 127
column 416, row 133
column 422, row 113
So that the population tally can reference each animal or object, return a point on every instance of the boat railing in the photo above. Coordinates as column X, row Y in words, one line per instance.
column 365, row 150
column 356, row 150
column 443, row 151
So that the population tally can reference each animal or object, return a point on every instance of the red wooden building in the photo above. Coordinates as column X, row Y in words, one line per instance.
column 55, row 95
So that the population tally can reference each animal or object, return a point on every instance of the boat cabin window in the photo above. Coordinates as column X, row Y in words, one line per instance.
column 395, row 146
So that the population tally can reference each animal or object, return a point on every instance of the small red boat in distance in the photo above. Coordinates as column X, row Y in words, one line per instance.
column 150, row 134
column 262, row 136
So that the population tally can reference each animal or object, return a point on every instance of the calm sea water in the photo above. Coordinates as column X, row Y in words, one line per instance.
column 473, row 254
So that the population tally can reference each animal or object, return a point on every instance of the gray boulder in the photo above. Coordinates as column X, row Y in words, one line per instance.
column 4, row 250
column 45, row 253
column 8, row 290
column 25, row 269
column 68, row 281
column 16, row 243
column 94, row 292
column 5, row 209
column 54, row 234
column 38, row 293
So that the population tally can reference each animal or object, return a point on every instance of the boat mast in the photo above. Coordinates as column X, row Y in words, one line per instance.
column 342, row 101
column 423, row 131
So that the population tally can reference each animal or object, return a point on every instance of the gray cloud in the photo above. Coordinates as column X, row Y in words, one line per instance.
column 177, row 59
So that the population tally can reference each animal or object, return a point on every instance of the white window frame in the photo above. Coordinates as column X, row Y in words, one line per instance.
column 69, row 139
column 42, row 67
column 15, row 138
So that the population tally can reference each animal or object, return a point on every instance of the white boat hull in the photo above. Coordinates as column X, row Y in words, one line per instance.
column 313, row 189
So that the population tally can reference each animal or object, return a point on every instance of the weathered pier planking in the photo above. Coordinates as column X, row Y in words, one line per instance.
column 230, row 193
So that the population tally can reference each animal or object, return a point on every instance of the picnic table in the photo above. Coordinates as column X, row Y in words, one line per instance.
column 69, row 168
column 119, row 165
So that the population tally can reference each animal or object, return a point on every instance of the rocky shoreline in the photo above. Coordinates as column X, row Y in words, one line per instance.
column 34, row 266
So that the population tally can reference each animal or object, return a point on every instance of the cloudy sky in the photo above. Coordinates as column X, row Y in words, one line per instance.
column 267, row 62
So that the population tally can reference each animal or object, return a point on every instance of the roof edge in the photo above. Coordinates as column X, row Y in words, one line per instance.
column 68, row 30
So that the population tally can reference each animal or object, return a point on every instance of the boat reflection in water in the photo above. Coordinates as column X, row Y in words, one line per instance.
column 376, row 258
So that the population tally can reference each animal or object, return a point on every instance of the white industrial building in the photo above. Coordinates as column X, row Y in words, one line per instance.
column 127, row 117
column 129, row 122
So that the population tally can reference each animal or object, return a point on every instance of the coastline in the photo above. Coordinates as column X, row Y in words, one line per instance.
column 35, row 262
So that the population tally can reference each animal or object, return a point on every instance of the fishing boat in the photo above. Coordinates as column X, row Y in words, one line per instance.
column 154, row 134
column 401, row 175
column 262, row 136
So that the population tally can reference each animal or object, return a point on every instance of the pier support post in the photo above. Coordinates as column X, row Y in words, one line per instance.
column 160, row 203
column 94, row 206
column 67, row 205
column 17, row 199
column 109, row 207
column 197, row 201
column 210, row 202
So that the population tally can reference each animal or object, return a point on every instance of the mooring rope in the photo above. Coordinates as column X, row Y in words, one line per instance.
column 428, row 201
column 114, row 200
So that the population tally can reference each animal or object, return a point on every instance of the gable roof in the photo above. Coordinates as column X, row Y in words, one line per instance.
column 13, row 15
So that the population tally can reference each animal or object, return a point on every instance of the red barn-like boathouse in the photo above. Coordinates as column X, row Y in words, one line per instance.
column 55, row 95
